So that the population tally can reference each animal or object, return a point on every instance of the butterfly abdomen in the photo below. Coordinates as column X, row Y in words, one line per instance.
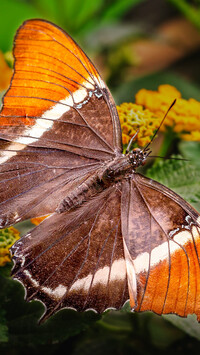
column 82, row 193
column 110, row 173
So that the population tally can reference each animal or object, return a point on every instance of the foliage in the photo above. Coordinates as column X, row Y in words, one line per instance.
column 19, row 321
column 127, row 91
column 76, row 16
column 181, row 176
column 190, row 9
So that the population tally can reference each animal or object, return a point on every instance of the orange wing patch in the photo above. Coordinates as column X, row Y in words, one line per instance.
column 49, row 68
column 172, row 285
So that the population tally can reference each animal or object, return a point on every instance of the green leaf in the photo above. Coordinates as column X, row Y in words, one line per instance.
column 117, row 321
column 117, row 9
column 87, row 9
column 48, row 9
column 162, row 333
column 181, row 176
column 3, row 327
column 21, row 318
column 189, row 325
column 5, row 270
column 12, row 14
column 83, row 17
column 190, row 11
column 129, row 333
column 78, row 14
column 191, row 151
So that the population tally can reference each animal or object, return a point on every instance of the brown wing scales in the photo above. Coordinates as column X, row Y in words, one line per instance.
column 166, row 250
column 80, row 264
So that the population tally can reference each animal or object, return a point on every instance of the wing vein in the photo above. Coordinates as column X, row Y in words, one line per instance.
column 187, row 258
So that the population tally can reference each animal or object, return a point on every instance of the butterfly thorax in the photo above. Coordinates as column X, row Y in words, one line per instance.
column 123, row 165
column 110, row 173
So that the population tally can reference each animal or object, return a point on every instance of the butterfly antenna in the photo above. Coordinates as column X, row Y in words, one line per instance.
column 173, row 103
column 131, row 141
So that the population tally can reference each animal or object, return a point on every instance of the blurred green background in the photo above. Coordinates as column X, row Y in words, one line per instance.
column 135, row 44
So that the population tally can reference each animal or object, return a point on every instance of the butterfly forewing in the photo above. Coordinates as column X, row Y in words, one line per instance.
column 162, row 234
column 57, row 122
column 54, row 94
column 35, row 181
column 76, row 259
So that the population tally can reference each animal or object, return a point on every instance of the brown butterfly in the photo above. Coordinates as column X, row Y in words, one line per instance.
column 112, row 234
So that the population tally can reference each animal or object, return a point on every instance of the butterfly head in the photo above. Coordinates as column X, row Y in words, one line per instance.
column 137, row 157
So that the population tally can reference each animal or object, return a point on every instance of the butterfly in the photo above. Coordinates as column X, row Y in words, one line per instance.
column 112, row 235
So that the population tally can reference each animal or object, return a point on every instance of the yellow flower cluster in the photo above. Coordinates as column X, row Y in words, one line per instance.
column 133, row 117
column 184, row 117
column 8, row 237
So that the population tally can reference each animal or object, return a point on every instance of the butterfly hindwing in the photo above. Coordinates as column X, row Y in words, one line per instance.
column 76, row 259
column 162, row 235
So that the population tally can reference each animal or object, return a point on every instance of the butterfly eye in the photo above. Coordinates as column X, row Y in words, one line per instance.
column 137, row 151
